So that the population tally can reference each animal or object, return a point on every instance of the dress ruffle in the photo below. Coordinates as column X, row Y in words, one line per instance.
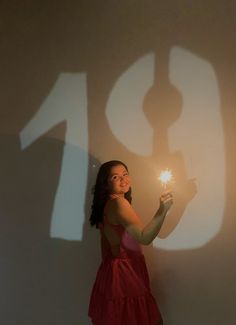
column 121, row 293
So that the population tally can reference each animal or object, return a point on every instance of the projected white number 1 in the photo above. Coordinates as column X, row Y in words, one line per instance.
column 67, row 102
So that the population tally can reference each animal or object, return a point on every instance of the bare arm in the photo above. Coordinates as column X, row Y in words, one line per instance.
column 125, row 215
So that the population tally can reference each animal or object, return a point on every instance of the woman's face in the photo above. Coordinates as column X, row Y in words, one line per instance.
column 119, row 180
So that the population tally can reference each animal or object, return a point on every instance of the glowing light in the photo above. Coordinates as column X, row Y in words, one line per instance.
column 165, row 177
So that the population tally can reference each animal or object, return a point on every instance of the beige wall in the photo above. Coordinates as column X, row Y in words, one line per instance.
column 151, row 83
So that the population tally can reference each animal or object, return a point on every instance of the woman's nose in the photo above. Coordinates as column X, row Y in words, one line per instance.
column 123, row 179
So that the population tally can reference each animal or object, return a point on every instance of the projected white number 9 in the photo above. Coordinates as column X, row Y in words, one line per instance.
column 197, row 134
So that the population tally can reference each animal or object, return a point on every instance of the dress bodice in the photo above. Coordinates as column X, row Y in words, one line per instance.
column 128, row 245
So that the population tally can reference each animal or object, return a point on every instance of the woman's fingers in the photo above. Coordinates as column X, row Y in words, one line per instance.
column 166, row 196
column 166, row 200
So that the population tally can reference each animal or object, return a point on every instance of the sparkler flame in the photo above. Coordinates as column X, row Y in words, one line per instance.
column 165, row 176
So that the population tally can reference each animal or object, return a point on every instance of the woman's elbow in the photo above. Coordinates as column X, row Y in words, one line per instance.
column 146, row 241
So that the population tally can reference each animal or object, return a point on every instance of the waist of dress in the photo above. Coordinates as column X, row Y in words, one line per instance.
column 124, row 255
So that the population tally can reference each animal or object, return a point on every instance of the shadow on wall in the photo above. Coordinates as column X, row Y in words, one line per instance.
column 45, row 280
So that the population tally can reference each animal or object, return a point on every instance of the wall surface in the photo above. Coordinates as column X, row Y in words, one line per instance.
column 151, row 83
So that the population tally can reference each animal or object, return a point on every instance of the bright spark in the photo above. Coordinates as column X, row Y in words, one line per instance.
column 165, row 176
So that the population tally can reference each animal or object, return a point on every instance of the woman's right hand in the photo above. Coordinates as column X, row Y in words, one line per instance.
column 166, row 201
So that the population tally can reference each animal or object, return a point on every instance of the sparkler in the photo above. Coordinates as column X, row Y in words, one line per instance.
column 165, row 177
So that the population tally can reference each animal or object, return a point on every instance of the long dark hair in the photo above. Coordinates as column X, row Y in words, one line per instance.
column 101, row 193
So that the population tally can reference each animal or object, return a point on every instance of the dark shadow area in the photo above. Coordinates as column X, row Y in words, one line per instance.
column 48, row 281
column 163, row 107
column 42, row 280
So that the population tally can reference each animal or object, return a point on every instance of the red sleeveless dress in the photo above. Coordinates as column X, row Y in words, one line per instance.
column 121, row 293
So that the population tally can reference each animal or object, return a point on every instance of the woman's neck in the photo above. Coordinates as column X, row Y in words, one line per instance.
column 114, row 196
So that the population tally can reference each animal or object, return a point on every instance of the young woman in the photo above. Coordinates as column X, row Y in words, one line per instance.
column 121, row 293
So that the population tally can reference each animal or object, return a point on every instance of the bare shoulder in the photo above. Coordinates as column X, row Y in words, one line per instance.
column 122, row 212
column 118, row 204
